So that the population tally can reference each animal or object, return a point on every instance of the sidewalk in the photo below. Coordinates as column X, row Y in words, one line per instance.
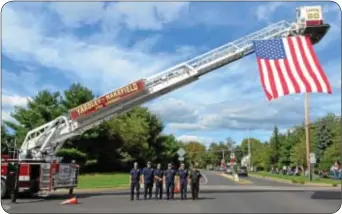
column 282, row 180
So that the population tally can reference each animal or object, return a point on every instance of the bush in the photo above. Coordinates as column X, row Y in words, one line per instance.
column 294, row 181
column 90, row 166
column 72, row 154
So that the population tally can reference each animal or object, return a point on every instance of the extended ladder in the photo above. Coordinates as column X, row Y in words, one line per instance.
column 44, row 141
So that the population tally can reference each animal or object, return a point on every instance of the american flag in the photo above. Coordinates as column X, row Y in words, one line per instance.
column 288, row 66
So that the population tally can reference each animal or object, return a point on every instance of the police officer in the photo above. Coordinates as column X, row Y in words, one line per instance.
column 170, row 181
column 135, row 180
column 158, row 177
column 195, row 177
column 148, row 180
column 183, row 177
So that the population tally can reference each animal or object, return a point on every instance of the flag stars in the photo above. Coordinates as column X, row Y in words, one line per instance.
column 269, row 49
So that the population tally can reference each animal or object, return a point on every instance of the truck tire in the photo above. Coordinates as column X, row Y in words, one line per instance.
column 3, row 188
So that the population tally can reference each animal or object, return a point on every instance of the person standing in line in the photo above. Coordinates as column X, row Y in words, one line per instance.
column 135, row 181
column 170, row 181
column 148, row 180
column 158, row 177
column 195, row 177
column 183, row 178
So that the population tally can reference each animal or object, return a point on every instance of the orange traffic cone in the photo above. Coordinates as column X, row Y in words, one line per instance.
column 177, row 188
column 70, row 201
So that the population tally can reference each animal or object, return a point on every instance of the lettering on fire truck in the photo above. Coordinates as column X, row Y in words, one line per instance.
column 106, row 100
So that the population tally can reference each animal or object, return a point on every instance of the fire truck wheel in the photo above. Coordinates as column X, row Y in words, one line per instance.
column 3, row 188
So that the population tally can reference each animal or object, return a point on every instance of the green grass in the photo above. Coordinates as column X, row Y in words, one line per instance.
column 298, row 179
column 113, row 180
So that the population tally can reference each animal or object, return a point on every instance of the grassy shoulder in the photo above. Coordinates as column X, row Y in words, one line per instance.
column 297, row 179
column 103, row 180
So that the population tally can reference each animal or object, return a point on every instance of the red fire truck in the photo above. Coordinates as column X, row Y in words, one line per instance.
column 38, row 167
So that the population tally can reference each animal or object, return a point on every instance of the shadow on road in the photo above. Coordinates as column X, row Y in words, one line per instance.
column 326, row 195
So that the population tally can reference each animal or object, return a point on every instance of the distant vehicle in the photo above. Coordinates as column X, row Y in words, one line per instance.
column 229, row 170
column 242, row 171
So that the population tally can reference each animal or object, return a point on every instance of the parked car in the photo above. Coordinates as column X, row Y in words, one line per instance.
column 242, row 171
column 229, row 170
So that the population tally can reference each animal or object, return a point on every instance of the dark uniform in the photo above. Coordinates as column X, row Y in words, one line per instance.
column 159, row 184
column 195, row 181
column 135, row 182
column 183, row 178
column 170, row 182
column 148, row 181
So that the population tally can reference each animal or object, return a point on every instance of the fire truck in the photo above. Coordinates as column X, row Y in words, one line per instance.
column 37, row 167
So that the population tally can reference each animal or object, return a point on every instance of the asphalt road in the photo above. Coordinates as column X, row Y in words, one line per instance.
column 262, row 182
column 218, row 195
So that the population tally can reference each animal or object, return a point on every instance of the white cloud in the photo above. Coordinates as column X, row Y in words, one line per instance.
column 14, row 100
column 200, row 139
column 6, row 116
column 173, row 110
column 80, row 60
column 133, row 15
column 76, row 14
column 186, row 126
column 265, row 11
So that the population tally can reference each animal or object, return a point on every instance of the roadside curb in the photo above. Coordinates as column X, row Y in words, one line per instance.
column 241, row 181
column 90, row 190
column 290, row 182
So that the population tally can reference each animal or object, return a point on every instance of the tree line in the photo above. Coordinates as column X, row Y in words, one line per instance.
column 112, row 146
column 282, row 149
column 137, row 135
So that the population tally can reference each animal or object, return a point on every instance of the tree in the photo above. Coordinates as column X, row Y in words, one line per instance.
column 298, row 152
column 330, row 155
column 6, row 139
column 195, row 151
column 43, row 108
column 259, row 152
column 168, row 147
column 274, row 146
column 76, row 95
column 323, row 140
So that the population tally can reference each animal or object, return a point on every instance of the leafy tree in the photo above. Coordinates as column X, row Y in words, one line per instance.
column 330, row 155
column 76, row 95
column 274, row 146
column 43, row 108
column 6, row 140
column 195, row 152
column 323, row 140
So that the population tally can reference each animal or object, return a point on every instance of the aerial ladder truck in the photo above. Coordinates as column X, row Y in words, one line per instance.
column 40, row 170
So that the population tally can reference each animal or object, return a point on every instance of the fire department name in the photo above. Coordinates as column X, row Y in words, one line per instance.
column 107, row 99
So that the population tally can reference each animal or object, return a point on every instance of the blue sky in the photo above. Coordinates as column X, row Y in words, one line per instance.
column 106, row 45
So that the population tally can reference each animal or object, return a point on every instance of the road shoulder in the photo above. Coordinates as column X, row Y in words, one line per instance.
column 269, row 178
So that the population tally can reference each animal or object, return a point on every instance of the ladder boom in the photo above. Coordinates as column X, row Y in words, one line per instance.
column 46, row 139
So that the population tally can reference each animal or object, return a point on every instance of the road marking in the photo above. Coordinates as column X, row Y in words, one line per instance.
column 241, row 181
column 205, row 178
